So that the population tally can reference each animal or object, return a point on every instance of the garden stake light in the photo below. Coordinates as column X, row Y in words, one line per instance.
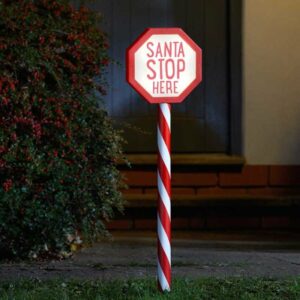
column 164, row 65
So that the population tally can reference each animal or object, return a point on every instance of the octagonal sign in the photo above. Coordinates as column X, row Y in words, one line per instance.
column 164, row 65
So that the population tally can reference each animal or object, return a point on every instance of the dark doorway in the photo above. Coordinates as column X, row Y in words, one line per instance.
column 202, row 123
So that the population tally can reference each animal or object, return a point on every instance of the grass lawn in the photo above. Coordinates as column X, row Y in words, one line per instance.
column 205, row 288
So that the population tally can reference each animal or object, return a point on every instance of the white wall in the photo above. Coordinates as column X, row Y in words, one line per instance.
column 271, row 66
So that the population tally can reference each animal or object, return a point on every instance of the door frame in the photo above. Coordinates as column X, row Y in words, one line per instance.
column 235, row 10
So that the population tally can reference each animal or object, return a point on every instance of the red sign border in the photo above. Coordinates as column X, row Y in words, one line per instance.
column 130, row 64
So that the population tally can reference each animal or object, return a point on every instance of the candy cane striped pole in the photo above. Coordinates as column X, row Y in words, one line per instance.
column 164, row 196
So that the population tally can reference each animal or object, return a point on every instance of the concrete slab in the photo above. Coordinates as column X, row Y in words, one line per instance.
column 134, row 256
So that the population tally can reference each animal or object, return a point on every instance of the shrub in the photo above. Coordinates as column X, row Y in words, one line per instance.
column 58, row 149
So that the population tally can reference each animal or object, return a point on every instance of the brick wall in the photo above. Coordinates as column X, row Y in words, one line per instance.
column 254, row 197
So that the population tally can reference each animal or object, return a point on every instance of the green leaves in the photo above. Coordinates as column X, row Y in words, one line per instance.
column 59, row 150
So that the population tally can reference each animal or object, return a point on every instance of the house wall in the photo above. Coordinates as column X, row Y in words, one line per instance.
column 263, row 194
column 271, row 66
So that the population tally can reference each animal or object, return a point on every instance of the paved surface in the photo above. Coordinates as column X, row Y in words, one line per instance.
column 135, row 256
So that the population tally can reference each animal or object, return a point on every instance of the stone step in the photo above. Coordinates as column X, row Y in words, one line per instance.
column 150, row 200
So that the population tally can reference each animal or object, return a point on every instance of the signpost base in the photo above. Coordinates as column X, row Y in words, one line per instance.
column 164, row 197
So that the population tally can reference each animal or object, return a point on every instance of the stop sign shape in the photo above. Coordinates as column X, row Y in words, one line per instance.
column 164, row 65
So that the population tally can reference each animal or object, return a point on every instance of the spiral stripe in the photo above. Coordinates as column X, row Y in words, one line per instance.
column 164, row 239
column 164, row 285
column 163, row 150
column 164, row 195
column 165, row 109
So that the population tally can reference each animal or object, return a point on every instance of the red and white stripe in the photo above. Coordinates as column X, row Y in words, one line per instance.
column 164, row 196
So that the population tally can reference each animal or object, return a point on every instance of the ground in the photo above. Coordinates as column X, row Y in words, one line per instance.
column 194, row 255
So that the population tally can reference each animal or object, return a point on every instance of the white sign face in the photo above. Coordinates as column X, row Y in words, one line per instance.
column 165, row 65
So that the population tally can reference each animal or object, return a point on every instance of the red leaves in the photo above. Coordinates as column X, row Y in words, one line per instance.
column 41, row 40
column 3, row 46
column 23, row 120
column 105, row 61
column 69, row 65
column 7, row 85
column 36, row 75
column 106, row 45
column 14, row 137
column 57, row 12
column 37, row 130
column 7, row 185
column 68, row 162
column 5, row 101
column 2, row 149
column 2, row 163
